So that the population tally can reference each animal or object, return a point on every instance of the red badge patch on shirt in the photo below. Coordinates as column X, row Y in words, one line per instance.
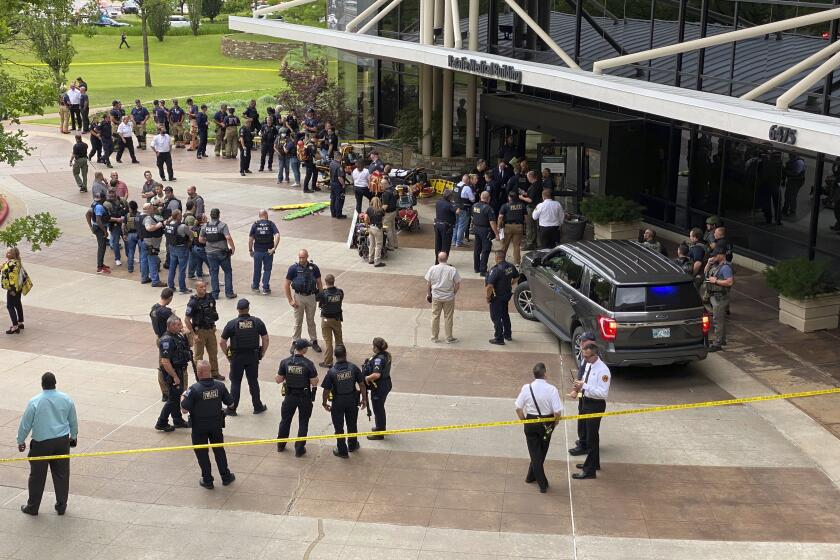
column 605, row 378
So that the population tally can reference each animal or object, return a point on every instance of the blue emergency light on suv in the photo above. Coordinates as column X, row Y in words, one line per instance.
column 643, row 309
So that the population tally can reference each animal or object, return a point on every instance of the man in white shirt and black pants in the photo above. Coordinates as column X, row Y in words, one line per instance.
column 125, row 130
column 162, row 145
column 549, row 216
column 594, row 388
column 539, row 399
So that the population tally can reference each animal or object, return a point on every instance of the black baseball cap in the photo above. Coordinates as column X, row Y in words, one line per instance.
column 718, row 251
column 243, row 304
column 301, row 343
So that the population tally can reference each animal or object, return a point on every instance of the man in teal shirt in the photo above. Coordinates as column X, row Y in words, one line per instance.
column 51, row 418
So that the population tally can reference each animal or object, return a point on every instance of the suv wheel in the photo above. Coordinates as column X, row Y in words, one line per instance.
column 576, row 343
column 524, row 301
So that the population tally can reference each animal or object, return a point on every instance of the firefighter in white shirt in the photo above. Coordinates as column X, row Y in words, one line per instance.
column 593, row 387
column 538, row 400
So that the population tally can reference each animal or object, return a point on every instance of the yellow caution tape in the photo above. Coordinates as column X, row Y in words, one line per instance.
column 445, row 428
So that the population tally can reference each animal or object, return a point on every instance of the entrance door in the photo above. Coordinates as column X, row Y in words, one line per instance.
column 568, row 171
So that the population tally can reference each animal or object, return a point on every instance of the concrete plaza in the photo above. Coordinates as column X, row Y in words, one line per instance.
column 748, row 481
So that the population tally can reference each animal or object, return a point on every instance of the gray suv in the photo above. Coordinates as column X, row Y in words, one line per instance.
column 643, row 309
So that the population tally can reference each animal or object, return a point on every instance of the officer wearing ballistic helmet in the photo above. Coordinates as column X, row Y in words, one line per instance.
column 712, row 223
column 248, row 345
column 344, row 384
column 200, row 319
column 203, row 402
column 299, row 383
column 175, row 356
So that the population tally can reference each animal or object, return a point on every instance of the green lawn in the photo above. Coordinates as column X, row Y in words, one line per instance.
column 181, row 67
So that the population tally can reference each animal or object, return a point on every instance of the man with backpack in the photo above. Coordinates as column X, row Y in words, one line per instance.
column 98, row 219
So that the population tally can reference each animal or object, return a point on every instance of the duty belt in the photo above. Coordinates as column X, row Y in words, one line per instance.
column 437, row 223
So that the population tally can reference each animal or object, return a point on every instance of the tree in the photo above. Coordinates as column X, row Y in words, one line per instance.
column 48, row 33
column 23, row 92
column 158, row 16
column 311, row 87
column 194, row 7
column 39, row 229
column 211, row 8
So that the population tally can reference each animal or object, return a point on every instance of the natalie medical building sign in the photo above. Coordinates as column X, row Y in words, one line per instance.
column 486, row 69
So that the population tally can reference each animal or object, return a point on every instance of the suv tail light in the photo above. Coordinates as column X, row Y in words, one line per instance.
column 608, row 327
column 707, row 323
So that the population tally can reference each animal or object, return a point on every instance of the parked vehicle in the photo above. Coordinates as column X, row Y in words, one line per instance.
column 179, row 21
column 641, row 307
column 105, row 21
column 130, row 7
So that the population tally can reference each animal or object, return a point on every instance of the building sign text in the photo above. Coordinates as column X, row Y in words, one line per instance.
column 491, row 70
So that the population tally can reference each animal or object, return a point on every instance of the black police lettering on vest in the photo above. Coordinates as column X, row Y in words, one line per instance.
column 203, row 310
column 331, row 303
column 304, row 282
column 515, row 213
column 213, row 233
column 173, row 237
column 297, row 376
column 246, row 338
column 344, row 379
column 179, row 350
column 263, row 234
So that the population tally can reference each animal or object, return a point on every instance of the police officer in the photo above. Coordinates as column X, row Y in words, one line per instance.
column 712, row 223
column 377, row 370
column 719, row 280
column 200, row 320
column 140, row 116
column 344, row 385
column 248, row 345
column 337, row 187
column 178, row 238
column 159, row 314
column 304, row 278
column 486, row 229
column 445, row 216
column 104, row 133
column 219, row 122
column 176, row 117
column 231, row 133
column 330, row 300
column 263, row 240
column 203, row 402
column 593, row 388
column 498, row 288
column 175, row 356
column 251, row 112
column 202, row 123
column 512, row 221
column 246, row 144
column 299, row 380
column 268, row 136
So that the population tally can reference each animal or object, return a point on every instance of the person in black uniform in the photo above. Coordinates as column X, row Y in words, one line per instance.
column 445, row 212
column 248, row 345
column 512, row 221
column 337, row 187
column 299, row 380
column 203, row 402
column 252, row 113
column 175, row 356
column 498, row 288
column 104, row 132
column 246, row 142
column 268, row 135
column 344, row 384
column 159, row 314
column 377, row 370
column 486, row 229
column 202, row 123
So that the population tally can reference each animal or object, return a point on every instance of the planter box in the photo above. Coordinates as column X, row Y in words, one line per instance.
column 821, row 312
column 618, row 230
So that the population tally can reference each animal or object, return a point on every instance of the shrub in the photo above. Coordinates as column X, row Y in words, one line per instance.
column 606, row 209
column 801, row 278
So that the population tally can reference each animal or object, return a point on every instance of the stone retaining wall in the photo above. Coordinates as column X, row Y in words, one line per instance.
column 434, row 165
column 251, row 50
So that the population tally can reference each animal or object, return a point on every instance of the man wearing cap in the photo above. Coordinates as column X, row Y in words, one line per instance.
column 140, row 116
column 712, row 223
column 299, row 383
column 719, row 280
column 162, row 146
column 248, row 345
column 583, row 341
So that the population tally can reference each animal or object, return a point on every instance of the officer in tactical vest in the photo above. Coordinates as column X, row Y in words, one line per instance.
column 498, row 288
column 377, row 370
column 299, row 383
column 304, row 279
column 719, row 280
column 178, row 238
column 201, row 317
column 330, row 300
column 262, row 243
column 344, row 394
column 231, row 134
column 512, row 222
column 486, row 229
column 248, row 345
column 159, row 314
column 203, row 402
column 175, row 356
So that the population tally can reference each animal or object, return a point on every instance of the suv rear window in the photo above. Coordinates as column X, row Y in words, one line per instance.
column 656, row 298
